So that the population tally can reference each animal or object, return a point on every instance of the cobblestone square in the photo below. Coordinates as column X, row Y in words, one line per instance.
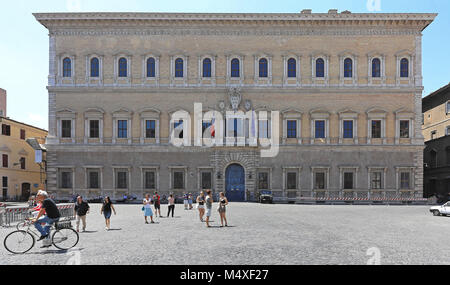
column 259, row 234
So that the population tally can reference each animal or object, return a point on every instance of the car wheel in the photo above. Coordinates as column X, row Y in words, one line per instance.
column 436, row 213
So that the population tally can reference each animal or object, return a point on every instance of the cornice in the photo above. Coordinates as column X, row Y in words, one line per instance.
column 52, row 21
column 243, row 31
column 225, row 89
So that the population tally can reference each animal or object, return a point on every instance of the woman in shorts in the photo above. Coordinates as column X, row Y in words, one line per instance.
column 223, row 202
column 208, row 203
column 201, row 205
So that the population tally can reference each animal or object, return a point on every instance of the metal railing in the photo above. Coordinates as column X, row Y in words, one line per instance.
column 10, row 215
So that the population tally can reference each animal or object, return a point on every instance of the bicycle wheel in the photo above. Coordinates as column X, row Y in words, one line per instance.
column 19, row 242
column 65, row 238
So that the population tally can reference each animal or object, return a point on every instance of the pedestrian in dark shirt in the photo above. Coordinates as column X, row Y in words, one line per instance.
column 81, row 210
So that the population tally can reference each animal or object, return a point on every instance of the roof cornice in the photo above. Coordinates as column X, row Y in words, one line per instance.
column 57, row 20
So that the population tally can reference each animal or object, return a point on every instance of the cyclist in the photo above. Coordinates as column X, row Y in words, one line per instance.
column 52, row 215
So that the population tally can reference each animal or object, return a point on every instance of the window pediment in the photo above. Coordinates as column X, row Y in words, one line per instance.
column 291, row 113
column 149, row 112
column 66, row 113
column 122, row 112
column 319, row 113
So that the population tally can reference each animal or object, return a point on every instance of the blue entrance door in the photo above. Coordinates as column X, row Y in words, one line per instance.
column 235, row 183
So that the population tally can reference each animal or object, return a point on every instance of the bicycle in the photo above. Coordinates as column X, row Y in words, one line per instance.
column 22, row 240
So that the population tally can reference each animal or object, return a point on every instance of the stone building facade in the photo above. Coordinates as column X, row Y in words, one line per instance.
column 436, row 130
column 348, row 89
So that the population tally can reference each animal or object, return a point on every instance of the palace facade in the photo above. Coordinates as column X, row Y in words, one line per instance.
column 348, row 89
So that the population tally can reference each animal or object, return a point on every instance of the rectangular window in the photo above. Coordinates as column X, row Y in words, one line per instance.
column 22, row 163
column 447, row 131
column 150, row 129
column 178, row 180
column 404, row 180
column 348, row 180
column 66, row 128
column 66, row 180
column 5, row 160
column 319, row 129
column 150, row 180
column 263, row 180
column 376, row 129
column 4, row 181
column 319, row 181
column 292, row 129
column 206, row 180
column 375, row 180
column 447, row 109
column 22, row 134
column 404, row 129
column 291, row 180
column 6, row 130
column 122, row 182
column 94, row 128
column 348, row 129
column 94, row 180
column 122, row 129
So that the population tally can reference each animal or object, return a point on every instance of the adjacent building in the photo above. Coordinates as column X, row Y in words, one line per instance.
column 436, row 130
column 348, row 89
column 20, row 175
column 3, row 102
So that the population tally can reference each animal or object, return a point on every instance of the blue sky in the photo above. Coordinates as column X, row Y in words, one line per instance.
column 24, row 42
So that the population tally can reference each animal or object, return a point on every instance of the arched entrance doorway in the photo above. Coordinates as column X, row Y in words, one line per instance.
column 26, row 191
column 235, row 183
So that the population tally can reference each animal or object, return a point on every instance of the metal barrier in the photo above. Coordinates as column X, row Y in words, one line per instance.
column 16, row 214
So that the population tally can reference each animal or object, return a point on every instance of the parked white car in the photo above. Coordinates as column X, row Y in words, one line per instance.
column 443, row 210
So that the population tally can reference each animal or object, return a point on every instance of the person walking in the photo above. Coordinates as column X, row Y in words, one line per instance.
column 190, row 201
column 208, row 203
column 81, row 210
column 106, row 210
column 148, row 209
column 185, row 200
column 157, row 204
column 201, row 205
column 223, row 202
column 171, row 203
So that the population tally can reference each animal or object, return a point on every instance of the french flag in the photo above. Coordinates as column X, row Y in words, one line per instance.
column 212, row 128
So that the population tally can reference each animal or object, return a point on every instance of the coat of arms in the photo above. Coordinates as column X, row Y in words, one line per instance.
column 235, row 97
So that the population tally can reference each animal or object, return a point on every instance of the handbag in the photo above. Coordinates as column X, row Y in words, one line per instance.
column 143, row 208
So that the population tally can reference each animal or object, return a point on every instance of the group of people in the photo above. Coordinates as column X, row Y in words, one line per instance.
column 46, row 212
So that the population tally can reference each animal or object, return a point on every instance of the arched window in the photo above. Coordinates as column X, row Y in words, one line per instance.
column 123, row 67
column 376, row 67
column 348, row 67
column 95, row 67
column 292, row 68
column 67, row 67
column 235, row 68
column 320, row 68
column 151, row 67
column 404, row 67
column 179, row 67
column 206, row 67
column 263, row 67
